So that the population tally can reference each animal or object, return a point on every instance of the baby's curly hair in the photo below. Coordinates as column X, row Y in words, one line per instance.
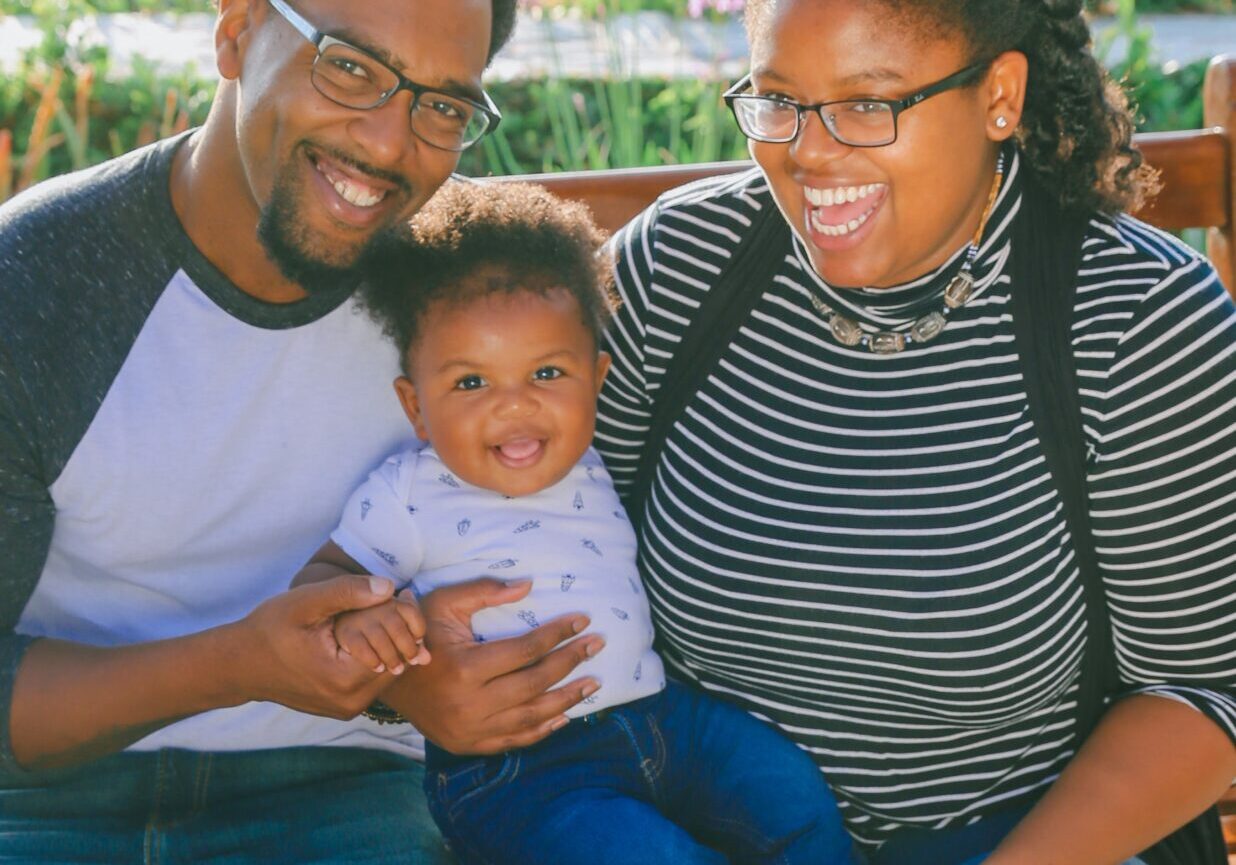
column 535, row 240
column 1076, row 131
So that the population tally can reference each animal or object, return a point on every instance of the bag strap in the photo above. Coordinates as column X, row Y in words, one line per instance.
column 725, row 307
column 1046, row 257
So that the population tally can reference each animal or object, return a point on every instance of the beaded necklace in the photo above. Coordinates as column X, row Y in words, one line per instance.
column 848, row 332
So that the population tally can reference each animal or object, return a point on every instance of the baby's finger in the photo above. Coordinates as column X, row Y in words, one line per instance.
column 403, row 639
column 422, row 657
column 410, row 611
column 357, row 646
column 381, row 643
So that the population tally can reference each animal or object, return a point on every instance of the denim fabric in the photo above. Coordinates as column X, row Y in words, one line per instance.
column 295, row 805
column 955, row 846
column 672, row 778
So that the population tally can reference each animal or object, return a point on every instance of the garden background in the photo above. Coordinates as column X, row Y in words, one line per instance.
column 65, row 103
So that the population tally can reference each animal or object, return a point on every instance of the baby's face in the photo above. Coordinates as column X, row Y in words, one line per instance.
column 505, row 388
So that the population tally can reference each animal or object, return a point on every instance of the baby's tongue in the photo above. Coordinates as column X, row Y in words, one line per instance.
column 518, row 449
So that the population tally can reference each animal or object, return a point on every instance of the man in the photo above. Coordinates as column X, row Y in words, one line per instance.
column 187, row 394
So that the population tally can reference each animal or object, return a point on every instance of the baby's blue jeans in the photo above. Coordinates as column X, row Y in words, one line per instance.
column 677, row 777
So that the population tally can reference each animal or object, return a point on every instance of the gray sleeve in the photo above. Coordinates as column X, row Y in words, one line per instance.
column 26, row 519
column 82, row 261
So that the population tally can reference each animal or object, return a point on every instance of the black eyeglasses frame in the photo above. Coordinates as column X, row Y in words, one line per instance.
column 321, row 41
column 960, row 78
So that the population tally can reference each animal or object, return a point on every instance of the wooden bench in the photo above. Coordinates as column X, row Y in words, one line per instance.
column 1198, row 170
column 1199, row 191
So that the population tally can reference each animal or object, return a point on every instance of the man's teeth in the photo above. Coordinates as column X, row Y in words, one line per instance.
column 838, row 195
column 358, row 195
column 838, row 230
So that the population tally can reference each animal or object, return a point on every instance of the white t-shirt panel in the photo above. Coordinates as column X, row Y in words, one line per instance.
column 215, row 466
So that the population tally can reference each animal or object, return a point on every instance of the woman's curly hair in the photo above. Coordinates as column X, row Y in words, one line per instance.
column 1077, row 128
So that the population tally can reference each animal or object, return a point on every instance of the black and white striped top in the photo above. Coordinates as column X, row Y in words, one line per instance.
column 868, row 549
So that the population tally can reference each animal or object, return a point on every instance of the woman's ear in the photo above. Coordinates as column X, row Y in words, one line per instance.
column 411, row 406
column 1006, row 94
column 231, row 26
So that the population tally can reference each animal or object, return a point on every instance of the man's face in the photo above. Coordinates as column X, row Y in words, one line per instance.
column 328, row 179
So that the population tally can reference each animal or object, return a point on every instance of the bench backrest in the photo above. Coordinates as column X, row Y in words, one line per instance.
column 1198, row 171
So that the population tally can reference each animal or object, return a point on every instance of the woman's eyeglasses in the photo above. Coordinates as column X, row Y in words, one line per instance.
column 853, row 122
column 354, row 78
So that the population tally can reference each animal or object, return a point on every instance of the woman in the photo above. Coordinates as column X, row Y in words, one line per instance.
column 851, row 530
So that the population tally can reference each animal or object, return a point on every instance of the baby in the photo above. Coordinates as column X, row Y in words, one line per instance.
column 497, row 304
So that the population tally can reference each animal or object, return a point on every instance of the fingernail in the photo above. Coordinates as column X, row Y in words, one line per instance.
column 511, row 584
column 398, row 671
column 595, row 646
column 591, row 688
column 579, row 624
column 380, row 668
column 379, row 585
column 559, row 723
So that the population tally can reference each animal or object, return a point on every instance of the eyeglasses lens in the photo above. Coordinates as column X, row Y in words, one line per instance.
column 356, row 80
column 863, row 124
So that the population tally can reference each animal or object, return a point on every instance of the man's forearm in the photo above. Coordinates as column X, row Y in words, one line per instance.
column 73, row 703
column 1151, row 766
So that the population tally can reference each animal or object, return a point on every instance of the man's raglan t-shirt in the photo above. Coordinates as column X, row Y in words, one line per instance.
column 172, row 450
column 414, row 521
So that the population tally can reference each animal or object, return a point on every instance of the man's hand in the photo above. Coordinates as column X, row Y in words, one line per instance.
column 484, row 698
column 285, row 650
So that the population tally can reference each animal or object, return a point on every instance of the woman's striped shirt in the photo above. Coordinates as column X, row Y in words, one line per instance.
column 868, row 549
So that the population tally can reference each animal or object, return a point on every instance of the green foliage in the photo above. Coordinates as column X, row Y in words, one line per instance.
column 549, row 124
column 1164, row 98
column 66, row 8
column 562, row 124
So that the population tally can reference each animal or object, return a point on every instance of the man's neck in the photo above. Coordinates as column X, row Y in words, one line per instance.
column 217, row 210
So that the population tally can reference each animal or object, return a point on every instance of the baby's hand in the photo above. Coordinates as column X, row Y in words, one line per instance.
column 386, row 637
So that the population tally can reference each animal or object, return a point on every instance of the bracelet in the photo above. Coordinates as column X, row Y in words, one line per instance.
column 383, row 714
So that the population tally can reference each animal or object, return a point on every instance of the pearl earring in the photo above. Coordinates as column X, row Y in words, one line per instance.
column 1001, row 122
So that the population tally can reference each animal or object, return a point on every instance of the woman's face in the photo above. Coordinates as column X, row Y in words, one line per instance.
column 875, row 216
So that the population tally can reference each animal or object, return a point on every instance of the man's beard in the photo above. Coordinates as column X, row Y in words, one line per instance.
column 290, row 246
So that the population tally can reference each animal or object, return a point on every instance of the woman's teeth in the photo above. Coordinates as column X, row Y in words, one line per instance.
column 837, row 230
column 828, row 224
column 839, row 195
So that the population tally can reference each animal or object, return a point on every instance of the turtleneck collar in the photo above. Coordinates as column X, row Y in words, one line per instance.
column 897, row 307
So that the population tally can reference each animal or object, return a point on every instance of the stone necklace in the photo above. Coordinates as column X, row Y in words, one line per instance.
column 848, row 332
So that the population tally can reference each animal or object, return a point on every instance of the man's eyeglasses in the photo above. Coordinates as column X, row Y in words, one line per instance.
column 354, row 78
column 854, row 122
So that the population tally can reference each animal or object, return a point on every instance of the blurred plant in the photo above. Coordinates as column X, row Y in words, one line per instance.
column 1164, row 96
column 572, row 125
column 61, row 118
column 697, row 8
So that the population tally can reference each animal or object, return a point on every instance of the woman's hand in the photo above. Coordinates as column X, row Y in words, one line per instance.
column 484, row 698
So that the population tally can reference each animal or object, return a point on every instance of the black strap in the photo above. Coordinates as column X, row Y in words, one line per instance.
column 1046, row 259
column 725, row 307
